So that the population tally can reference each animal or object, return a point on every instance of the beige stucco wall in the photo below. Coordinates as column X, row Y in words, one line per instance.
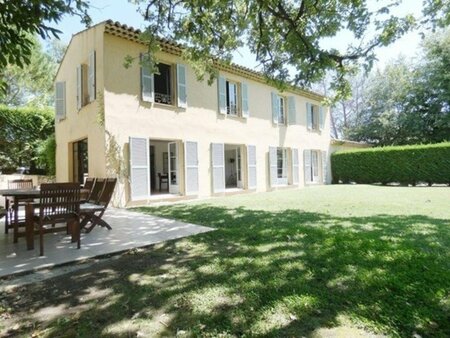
column 126, row 115
column 83, row 123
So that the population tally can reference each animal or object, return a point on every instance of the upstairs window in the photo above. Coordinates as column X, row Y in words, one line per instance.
column 168, row 86
column 315, row 117
column 86, row 81
column 233, row 97
column 278, row 109
column 163, row 84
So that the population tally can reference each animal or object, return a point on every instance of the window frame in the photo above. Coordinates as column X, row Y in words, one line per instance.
column 284, row 164
column 172, row 85
column 282, row 109
column 238, row 109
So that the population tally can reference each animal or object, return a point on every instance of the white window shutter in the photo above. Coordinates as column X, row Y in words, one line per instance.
column 79, row 86
column 191, row 160
column 139, row 168
column 251, row 162
column 292, row 110
column 321, row 117
column 147, row 84
column 307, row 165
column 324, row 166
column 218, row 167
column 181, row 83
column 309, row 112
column 295, row 167
column 275, row 107
column 273, row 166
column 244, row 99
column 92, row 76
column 60, row 100
column 222, row 92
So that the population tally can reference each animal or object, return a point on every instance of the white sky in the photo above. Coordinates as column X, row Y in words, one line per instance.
column 126, row 13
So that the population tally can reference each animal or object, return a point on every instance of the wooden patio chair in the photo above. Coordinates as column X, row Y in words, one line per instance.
column 93, row 212
column 12, row 210
column 96, row 190
column 58, row 203
column 89, row 185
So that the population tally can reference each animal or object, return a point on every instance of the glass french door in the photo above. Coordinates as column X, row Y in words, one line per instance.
column 173, row 168
column 80, row 161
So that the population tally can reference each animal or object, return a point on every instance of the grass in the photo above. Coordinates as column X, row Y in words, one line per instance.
column 334, row 260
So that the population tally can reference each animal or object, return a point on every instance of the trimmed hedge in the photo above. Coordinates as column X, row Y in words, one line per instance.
column 22, row 132
column 398, row 164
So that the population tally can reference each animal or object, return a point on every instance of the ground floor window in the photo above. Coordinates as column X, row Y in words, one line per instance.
column 233, row 171
column 282, row 163
column 278, row 163
column 80, row 168
column 164, row 167
column 314, row 162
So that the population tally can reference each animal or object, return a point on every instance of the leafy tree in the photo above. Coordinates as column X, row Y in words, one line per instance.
column 31, row 84
column 429, row 102
column 408, row 103
column 286, row 36
column 47, row 155
column 21, row 20
column 384, row 106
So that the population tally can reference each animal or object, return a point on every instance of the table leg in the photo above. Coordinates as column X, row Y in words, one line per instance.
column 29, row 212
column 15, row 219
column 7, row 215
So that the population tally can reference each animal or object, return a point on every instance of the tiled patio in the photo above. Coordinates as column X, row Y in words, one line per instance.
column 130, row 230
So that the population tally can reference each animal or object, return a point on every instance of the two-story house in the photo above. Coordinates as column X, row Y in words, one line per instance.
column 169, row 135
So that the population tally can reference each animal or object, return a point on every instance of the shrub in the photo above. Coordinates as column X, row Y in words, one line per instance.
column 47, row 155
column 399, row 164
column 22, row 131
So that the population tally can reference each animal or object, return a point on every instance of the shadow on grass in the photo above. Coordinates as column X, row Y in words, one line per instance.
column 261, row 273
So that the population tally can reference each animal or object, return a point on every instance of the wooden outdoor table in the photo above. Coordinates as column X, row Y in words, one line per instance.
column 27, row 195
column 24, row 195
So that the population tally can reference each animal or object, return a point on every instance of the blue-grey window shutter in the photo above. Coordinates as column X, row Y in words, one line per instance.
column 324, row 166
column 273, row 166
column 321, row 117
column 275, row 107
column 244, row 99
column 191, row 160
column 309, row 120
column 91, row 76
column 218, row 167
column 139, row 168
column 181, row 83
column 222, row 91
column 146, row 83
column 251, row 161
column 60, row 100
column 307, row 165
column 292, row 111
column 295, row 167
column 79, row 87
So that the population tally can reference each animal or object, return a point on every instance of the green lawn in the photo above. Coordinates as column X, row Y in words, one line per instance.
column 321, row 261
